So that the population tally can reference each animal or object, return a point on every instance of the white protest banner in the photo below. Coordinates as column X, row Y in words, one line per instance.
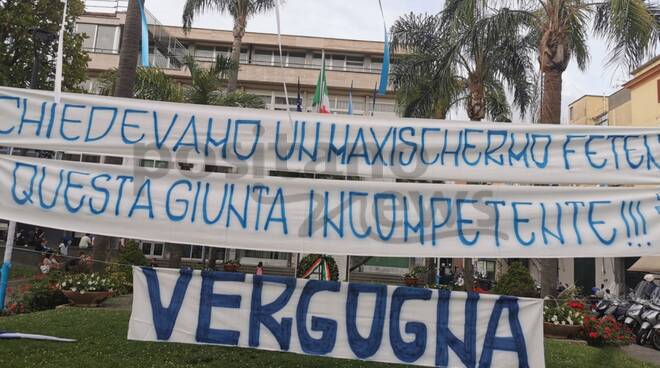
column 331, row 216
column 342, row 320
column 330, row 144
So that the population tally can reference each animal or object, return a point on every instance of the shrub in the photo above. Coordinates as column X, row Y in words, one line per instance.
column 120, row 272
column 40, row 294
column 606, row 331
column 517, row 281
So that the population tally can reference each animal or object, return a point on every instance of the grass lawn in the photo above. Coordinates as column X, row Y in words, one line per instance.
column 101, row 335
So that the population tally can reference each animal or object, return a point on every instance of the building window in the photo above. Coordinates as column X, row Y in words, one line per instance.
column 266, row 255
column 486, row 268
column 206, row 53
column 570, row 113
column 193, row 252
column 218, row 169
column 184, row 166
column 154, row 164
column 376, row 64
column 91, row 158
column 113, row 160
column 150, row 249
column 76, row 157
column 354, row 63
column 100, row 38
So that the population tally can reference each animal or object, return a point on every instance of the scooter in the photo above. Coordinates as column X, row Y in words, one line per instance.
column 642, row 293
column 655, row 339
column 650, row 317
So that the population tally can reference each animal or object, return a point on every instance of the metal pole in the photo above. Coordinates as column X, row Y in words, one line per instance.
column 6, row 265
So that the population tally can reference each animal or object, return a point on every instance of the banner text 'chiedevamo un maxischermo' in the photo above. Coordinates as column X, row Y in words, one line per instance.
column 330, row 144
column 342, row 320
column 332, row 216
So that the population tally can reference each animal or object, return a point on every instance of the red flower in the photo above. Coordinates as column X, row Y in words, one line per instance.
column 576, row 305
column 593, row 335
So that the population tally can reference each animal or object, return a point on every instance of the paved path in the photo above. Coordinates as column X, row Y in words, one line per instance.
column 119, row 302
column 643, row 353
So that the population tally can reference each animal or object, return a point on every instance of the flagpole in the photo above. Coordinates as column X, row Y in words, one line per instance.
column 60, row 56
column 322, row 89
column 373, row 102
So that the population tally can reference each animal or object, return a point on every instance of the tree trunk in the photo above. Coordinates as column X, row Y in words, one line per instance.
column 549, row 276
column 100, row 253
column 128, row 59
column 213, row 258
column 239, row 30
column 130, row 50
column 468, row 274
column 620, row 276
column 550, row 114
column 176, row 251
column 551, row 103
column 476, row 107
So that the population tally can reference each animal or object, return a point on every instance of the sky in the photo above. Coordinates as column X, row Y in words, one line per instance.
column 360, row 19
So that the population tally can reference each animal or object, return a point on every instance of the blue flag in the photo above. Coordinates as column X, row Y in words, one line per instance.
column 350, row 99
column 385, row 70
column 145, row 36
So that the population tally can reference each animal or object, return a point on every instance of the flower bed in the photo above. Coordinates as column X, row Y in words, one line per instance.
column 606, row 331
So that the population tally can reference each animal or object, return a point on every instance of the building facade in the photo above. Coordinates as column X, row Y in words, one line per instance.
column 351, row 65
column 637, row 103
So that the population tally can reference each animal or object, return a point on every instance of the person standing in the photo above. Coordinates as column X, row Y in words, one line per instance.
column 85, row 242
column 260, row 269
column 63, row 247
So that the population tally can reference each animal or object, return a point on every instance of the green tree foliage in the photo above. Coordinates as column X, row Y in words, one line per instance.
column 468, row 53
column 17, row 45
column 206, row 86
column 240, row 10
column 150, row 84
column 517, row 281
column 240, row 99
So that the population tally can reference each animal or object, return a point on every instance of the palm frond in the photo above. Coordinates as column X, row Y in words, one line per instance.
column 630, row 28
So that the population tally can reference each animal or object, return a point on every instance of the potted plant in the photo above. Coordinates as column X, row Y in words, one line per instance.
column 231, row 265
column 563, row 320
column 412, row 278
column 86, row 289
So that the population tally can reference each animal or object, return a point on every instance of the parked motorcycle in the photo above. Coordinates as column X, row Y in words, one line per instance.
column 650, row 317
column 614, row 307
column 641, row 295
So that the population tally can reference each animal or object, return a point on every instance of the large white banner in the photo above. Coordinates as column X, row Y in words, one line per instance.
column 331, row 216
column 331, row 144
column 342, row 320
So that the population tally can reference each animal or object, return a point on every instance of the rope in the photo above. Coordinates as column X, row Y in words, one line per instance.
column 16, row 248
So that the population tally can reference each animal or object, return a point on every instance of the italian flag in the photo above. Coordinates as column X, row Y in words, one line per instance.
column 321, row 102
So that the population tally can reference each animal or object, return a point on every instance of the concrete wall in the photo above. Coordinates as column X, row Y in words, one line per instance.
column 584, row 110
column 645, row 106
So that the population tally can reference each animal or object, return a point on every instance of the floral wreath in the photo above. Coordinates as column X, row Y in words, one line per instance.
column 312, row 262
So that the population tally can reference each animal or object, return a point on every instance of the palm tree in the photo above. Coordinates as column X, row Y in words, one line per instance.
column 206, row 83
column 150, row 84
column 240, row 10
column 128, row 59
column 628, row 26
column 561, row 28
column 469, row 53
column 130, row 49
